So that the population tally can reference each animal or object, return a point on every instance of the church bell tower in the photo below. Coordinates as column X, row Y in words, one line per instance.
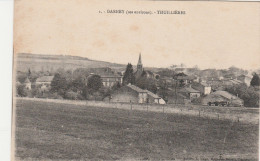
column 139, row 64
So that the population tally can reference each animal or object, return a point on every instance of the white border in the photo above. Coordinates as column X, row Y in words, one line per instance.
column 6, row 54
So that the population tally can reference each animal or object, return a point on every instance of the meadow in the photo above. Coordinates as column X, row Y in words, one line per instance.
column 55, row 131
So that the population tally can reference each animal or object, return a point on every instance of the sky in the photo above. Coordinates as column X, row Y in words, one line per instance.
column 210, row 34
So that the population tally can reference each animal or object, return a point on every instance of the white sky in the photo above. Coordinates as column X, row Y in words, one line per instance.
column 210, row 35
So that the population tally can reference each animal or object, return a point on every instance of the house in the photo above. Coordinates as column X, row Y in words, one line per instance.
column 28, row 84
column 111, row 80
column 44, row 82
column 190, row 93
column 182, row 78
column 203, row 87
column 222, row 98
column 134, row 94
column 231, row 82
column 108, row 76
column 215, row 84
column 167, row 80
column 245, row 79
column 153, row 98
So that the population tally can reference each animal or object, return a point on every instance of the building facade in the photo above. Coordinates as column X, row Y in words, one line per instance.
column 134, row 94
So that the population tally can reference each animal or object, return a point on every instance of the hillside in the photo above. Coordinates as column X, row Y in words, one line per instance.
column 38, row 62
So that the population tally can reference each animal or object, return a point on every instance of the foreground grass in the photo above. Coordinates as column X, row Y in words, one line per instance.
column 70, row 132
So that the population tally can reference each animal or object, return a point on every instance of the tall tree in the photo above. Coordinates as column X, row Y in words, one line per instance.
column 94, row 82
column 59, row 84
column 129, row 75
column 77, row 84
column 255, row 80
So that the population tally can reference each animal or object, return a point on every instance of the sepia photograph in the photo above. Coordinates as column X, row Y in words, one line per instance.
column 135, row 80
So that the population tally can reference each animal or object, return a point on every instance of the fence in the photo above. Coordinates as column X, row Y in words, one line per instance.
column 236, row 114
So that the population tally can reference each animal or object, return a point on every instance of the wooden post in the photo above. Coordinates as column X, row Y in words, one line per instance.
column 131, row 104
column 218, row 116
column 199, row 113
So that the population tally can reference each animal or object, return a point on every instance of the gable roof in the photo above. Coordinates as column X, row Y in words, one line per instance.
column 45, row 79
column 204, row 84
column 189, row 90
column 226, row 94
column 135, row 88
column 215, row 97
column 235, row 81
column 152, row 94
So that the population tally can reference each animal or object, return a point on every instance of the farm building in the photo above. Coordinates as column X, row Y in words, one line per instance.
column 134, row 94
column 222, row 98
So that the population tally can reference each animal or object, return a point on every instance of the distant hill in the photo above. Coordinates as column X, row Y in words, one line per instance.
column 37, row 62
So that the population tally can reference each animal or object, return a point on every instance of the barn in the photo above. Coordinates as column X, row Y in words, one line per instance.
column 222, row 98
column 134, row 94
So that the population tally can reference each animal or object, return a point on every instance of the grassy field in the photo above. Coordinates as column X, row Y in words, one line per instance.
column 69, row 132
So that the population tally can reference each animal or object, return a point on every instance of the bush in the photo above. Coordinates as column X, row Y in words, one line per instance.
column 71, row 95
column 250, row 95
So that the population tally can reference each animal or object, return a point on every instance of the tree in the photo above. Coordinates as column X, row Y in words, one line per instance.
column 21, row 91
column 77, row 84
column 94, row 83
column 248, row 94
column 59, row 84
column 146, row 83
column 129, row 75
column 255, row 80
column 116, row 86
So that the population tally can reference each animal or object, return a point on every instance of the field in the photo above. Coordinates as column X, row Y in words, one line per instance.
column 53, row 131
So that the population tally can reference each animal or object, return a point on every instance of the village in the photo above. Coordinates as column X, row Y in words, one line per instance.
column 176, row 85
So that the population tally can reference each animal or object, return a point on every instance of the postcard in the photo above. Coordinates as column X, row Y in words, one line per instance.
column 136, row 80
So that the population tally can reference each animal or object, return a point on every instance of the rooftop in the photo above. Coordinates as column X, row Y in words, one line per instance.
column 45, row 79
column 189, row 90
column 152, row 94
column 135, row 88
column 226, row 94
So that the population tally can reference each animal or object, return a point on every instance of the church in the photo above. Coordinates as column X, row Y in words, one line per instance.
column 140, row 72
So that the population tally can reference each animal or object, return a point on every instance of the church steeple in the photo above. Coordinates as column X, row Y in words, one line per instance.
column 140, row 60
column 139, row 64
